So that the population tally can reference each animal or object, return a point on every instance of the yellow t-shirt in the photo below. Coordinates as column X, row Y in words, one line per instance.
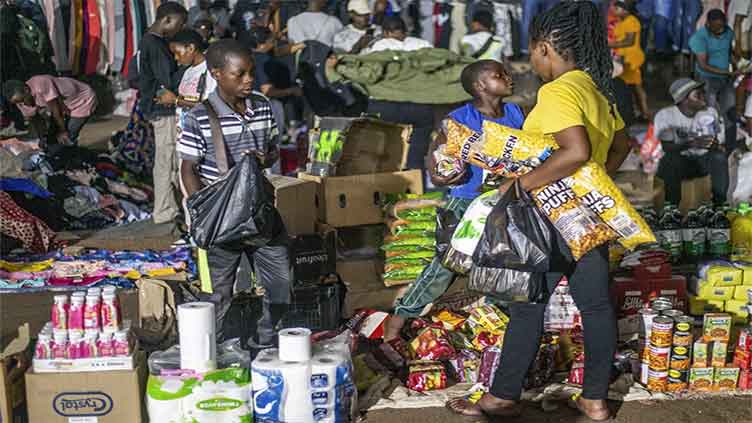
column 633, row 56
column 574, row 100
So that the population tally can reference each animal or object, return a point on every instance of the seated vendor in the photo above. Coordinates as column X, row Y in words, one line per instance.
column 690, row 133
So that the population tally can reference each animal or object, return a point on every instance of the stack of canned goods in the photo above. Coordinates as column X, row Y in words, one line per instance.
column 665, row 337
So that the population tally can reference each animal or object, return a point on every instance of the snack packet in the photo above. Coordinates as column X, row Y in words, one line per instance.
column 426, row 376
column 431, row 344
column 450, row 321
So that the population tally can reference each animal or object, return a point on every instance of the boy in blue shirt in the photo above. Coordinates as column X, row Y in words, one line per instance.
column 488, row 82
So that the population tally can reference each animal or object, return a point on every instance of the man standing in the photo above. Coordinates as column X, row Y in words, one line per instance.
column 313, row 24
column 359, row 34
column 70, row 103
column 247, row 124
column 158, row 82
column 712, row 47
column 689, row 132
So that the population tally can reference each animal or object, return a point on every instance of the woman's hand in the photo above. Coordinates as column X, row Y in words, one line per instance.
column 167, row 98
column 504, row 187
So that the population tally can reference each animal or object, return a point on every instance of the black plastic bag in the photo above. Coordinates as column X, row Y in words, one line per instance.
column 446, row 224
column 516, row 235
column 507, row 284
column 236, row 210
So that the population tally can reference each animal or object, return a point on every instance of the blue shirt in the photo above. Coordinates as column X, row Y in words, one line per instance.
column 469, row 116
column 718, row 50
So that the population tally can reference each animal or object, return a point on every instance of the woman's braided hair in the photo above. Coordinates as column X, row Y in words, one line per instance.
column 577, row 31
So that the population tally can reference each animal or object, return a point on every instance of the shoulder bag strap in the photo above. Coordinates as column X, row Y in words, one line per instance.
column 218, row 139
column 484, row 48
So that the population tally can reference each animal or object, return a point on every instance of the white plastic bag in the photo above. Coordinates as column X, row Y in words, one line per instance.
column 743, row 190
column 468, row 232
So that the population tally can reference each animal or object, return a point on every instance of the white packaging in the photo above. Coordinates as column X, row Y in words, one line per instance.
column 467, row 235
column 218, row 402
column 164, row 399
column 197, row 336
column 281, row 390
column 295, row 345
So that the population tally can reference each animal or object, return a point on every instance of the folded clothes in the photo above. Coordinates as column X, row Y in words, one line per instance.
column 20, row 284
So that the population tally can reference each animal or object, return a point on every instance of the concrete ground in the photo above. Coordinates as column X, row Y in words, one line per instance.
column 97, row 133
column 717, row 410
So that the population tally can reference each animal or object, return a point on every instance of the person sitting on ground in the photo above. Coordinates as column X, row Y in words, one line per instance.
column 627, row 45
column 489, row 83
column 313, row 24
column 396, row 38
column 248, row 127
column 360, row 33
column 690, row 133
column 70, row 104
column 481, row 43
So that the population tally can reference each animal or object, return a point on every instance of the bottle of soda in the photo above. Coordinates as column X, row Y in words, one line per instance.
column 693, row 237
column 670, row 232
column 719, row 235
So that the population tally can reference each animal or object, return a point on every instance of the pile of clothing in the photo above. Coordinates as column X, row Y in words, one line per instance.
column 89, row 268
column 64, row 188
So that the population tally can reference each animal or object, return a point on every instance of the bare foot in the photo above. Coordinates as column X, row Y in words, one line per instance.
column 393, row 326
column 487, row 405
column 595, row 410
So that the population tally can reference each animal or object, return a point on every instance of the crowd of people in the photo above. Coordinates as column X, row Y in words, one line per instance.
column 211, row 71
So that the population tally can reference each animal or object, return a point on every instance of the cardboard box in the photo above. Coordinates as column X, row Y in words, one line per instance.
column 742, row 293
column 296, row 201
column 738, row 311
column 370, row 145
column 14, row 360
column 629, row 295
column 365, row 288
column 102, row 397
column 674, row 288
column 357, row 200
column 314, row 255
column 360, row 242
column 699, row 306
column 33, row 307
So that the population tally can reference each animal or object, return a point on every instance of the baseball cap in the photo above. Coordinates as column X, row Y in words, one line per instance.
column 359, row 6
column 681, row 88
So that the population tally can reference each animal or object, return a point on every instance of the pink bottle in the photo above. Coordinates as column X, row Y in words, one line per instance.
column 106, row 348
column 121, row 345
column 59, row 347
column 60, row 312
column 76, row 313
column 92, row 313
column 75, row 345
column 110, row 313
column 43, row 350
column 90, row 347
column 109, row 289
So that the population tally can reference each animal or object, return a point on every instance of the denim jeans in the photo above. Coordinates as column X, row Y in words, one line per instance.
column 662, row 24
column 675, row 168
column 531, row 8
column 686, row 14
column 74, row 126
column 435, row 279
column 589, row 286
column 721, row 95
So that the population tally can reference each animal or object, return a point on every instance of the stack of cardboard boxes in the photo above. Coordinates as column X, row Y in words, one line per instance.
column 722, row 288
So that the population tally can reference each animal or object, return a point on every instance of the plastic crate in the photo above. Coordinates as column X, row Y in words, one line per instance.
column 316, row 306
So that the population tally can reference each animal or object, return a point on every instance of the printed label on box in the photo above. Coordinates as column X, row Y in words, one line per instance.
column 82, row 404
column 83, row 419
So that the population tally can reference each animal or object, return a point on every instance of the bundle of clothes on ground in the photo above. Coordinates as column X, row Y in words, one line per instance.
column 89, row 268
column 46, row 190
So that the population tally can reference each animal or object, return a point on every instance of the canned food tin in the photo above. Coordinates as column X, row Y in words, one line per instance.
column 657, row 381
column 679, row 358
column 683, row 331
column 659, row 358
column 646, row 322
column 662, row 307
column 662, row 300
column 674, row 314
column 677, row 380
column 662, row 331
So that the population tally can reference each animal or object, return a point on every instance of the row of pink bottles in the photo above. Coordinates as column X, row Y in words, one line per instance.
column 95, row 309
column 76, row 344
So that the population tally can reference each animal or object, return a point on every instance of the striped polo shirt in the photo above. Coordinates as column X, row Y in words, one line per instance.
column 254, row 130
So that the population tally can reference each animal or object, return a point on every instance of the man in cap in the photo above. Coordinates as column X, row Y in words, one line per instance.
column 360, row 33
column 691, row 134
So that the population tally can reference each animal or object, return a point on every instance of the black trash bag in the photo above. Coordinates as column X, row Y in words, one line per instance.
column 516, row 235
column 507, row 284
column 237, row 210
column 446, row 224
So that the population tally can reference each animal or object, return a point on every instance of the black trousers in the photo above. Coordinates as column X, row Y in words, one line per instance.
column 675, row 168
column 420, row 116
column 271, row 264
column 588, row 284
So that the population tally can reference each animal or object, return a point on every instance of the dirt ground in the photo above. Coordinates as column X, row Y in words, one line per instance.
column 726, row 410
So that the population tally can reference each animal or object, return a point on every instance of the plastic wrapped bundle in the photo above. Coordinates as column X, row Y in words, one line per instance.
column 506, row 284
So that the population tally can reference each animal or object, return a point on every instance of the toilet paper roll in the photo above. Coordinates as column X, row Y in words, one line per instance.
column 281, row 390
column 323, row 398
column 324, row 372
column 164, row 411
column 218, row 402
column 295, row 345
column 197, row 336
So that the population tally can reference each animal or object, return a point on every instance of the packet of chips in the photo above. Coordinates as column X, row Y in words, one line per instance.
column 487, row 318
column 512, row 153
column 450, row 321
column 426, row 376
column 432, row 344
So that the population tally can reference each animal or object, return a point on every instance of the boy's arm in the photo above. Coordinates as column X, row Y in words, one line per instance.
column 190, row 150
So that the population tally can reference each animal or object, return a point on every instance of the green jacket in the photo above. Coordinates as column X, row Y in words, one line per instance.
column 426, row 76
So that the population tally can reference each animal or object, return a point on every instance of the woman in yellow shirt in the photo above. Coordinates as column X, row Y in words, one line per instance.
column 627, row 45
column 570, row 53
